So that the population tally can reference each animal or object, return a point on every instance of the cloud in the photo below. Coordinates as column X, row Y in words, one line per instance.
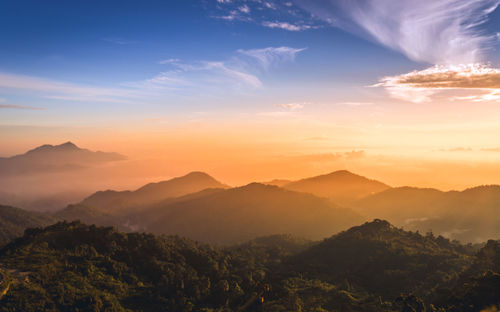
column 419, row 86
column 199, row 75
column 244, row 8
column 169, row 61
column 271, row 55
column 293, row 106
column 53, row 88
column 12, row 106
column 457, row 149
column 428, row 31
column 271, row 14
column 286, row 26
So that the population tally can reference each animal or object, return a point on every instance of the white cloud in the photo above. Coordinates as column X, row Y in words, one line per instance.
column 271, row 55
column 429, row 31
column 244, row 8
column 169, row 61
column 286, row 26
column 419, row 86
column 293, row 106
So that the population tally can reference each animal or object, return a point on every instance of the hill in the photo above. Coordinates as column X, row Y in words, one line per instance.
column 384, row 260
column 372, row 267
column 54, row 158
column 247, row 212
column 13, row 222
column 341, row 187
column 113, row 201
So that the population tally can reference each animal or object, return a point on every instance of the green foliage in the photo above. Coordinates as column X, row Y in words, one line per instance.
column 372, row 267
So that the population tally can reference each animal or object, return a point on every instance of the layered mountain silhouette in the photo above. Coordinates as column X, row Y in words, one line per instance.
column 114, row 201
column 247, row 212
column 471, row 215
column 199, row 207
column 54, row 158
column 341, row 187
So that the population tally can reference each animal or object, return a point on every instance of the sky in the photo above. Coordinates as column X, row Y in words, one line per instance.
column 256, row 89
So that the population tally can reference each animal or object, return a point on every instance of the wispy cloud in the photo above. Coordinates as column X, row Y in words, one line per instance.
column 435, row 32
column 286, row 26
column 270, row 56
column 268, row 13
column 169, row 61
column 13, row 106
column 293, row 106
column 53, row 88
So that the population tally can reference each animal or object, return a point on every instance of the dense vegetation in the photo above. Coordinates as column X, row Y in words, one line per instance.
column 13, row 221
column 372, row 267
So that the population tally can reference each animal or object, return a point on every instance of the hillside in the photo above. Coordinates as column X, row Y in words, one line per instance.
column 13, row 222
column 54, row 158
column 113, row 201
column 385, row 260
column 247, row 212
column 341, row 187
column 72, row 266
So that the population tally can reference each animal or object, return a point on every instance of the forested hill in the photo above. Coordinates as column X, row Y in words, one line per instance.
column 76, row 267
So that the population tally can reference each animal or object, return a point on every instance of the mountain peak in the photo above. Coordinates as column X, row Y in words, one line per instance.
column 68, row 145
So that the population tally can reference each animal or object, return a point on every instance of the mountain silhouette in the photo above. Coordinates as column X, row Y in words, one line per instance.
column 54, row 158
column 340, row 186
column 114, row 201
column 247, row 212
column 470, row 215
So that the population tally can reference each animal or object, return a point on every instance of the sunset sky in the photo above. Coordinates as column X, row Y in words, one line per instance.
column 407, row 93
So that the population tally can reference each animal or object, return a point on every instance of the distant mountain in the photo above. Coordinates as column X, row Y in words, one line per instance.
column 54, row 158
column 277, row 182
column 13, row 222
column 470, row 216
column 247, row 212
column 114, row 201
column 402, row 205
column 340, row 186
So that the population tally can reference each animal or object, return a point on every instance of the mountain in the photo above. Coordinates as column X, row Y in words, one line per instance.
column 13, row 222
column 247, row 212
column 341, row 187
column 114, row 201
column 402, row 205
column 54, row 158
column 277, row 182
column 470, row 216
